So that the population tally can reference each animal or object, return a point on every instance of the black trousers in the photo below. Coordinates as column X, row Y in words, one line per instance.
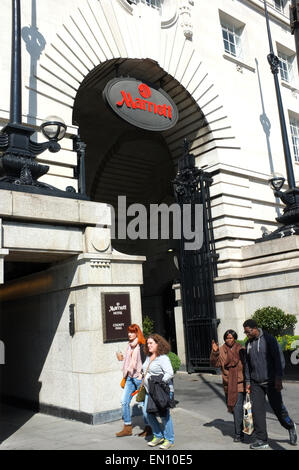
column 258, row 399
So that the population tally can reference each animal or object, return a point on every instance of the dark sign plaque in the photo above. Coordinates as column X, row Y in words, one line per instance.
column 116, row 316
column 141, row 104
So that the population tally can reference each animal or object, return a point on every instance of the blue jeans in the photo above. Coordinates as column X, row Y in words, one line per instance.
column 238, row 415
column 166, row 430
column 132, row 384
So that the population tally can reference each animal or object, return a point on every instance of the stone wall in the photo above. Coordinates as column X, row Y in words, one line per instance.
column 75, row 376
column 265, row 274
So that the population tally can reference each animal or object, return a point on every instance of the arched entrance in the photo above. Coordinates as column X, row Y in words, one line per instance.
column 123, row 160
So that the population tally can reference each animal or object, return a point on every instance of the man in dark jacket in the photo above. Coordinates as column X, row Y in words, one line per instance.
column 263, row 375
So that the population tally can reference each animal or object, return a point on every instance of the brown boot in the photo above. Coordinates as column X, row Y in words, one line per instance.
column 146, row 432
column 127, row 431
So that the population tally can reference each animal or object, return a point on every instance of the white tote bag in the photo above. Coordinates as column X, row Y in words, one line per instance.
column 247, row 416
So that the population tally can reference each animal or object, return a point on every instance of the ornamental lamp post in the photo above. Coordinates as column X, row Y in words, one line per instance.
column 290, row 217
column 18, row 164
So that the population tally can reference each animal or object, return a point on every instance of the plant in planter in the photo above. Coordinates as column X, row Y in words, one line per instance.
column 175, row 361
column 288, row 342
column 147, row 326
column 274, row 320
column 290, row 346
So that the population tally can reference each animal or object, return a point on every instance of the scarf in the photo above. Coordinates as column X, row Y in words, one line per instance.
column 231, row 365
column 132, row 362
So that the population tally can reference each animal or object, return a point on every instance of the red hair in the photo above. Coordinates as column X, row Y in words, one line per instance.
column 136, row 329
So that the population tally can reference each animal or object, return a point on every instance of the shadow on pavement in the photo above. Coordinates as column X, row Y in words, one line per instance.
column 12, row 419
column 214, row 388
column 226, row 427
column 274, row 444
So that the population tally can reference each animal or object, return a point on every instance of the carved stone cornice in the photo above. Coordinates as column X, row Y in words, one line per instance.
column 185, row 11
column 100, row 263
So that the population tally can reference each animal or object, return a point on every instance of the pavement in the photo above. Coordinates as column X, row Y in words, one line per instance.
column 201, row 422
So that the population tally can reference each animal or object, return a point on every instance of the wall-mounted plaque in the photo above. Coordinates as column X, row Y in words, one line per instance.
column 140, row 104
column 116, row 316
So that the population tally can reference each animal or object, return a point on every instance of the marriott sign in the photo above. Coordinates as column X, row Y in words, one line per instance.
column 140, row 104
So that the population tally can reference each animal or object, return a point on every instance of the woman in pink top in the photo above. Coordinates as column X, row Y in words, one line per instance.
column 132, row 365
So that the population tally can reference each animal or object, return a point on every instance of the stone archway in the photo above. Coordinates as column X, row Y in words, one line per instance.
column 113, row 33
column 105, row 133
column 123, row 160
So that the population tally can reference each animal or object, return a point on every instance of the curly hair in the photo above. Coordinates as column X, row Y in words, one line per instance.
column 163, row 345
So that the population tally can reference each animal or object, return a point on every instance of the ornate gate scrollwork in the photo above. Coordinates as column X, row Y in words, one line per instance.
column 197, row 267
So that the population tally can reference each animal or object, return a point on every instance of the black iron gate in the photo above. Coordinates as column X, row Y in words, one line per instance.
column 197, row 267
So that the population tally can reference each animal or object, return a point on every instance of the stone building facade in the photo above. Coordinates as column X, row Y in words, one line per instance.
column 211, row 59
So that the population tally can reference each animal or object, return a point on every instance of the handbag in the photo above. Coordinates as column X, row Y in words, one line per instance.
column 247, row 416
column 140, row 392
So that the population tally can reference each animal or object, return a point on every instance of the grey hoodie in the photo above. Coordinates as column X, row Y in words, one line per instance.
column 265, row 360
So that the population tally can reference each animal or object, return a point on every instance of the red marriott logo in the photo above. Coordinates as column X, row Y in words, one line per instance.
column 143, row 104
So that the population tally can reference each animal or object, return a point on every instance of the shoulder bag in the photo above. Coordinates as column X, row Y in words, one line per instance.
column 140, row 392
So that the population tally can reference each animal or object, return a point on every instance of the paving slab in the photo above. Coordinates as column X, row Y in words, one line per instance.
column 201, row 422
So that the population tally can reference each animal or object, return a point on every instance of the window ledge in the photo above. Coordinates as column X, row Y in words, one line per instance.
column 280, row 15
column 238, row 62
column 289, row 86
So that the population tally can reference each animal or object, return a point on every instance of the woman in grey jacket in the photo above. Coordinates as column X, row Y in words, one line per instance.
column 158, row 363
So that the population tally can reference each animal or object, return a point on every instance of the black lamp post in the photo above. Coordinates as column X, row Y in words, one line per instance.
column 18, row 164
column 290, row 217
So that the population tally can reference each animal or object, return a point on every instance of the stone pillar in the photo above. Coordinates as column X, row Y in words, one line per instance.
column 179, row 326
column 77, row 376
column 67, row 372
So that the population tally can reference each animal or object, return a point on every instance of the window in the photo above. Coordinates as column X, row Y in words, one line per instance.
column 285, row 66
column 278, row 5
column 232, row 40
column 152, row 3
column 294, row 124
